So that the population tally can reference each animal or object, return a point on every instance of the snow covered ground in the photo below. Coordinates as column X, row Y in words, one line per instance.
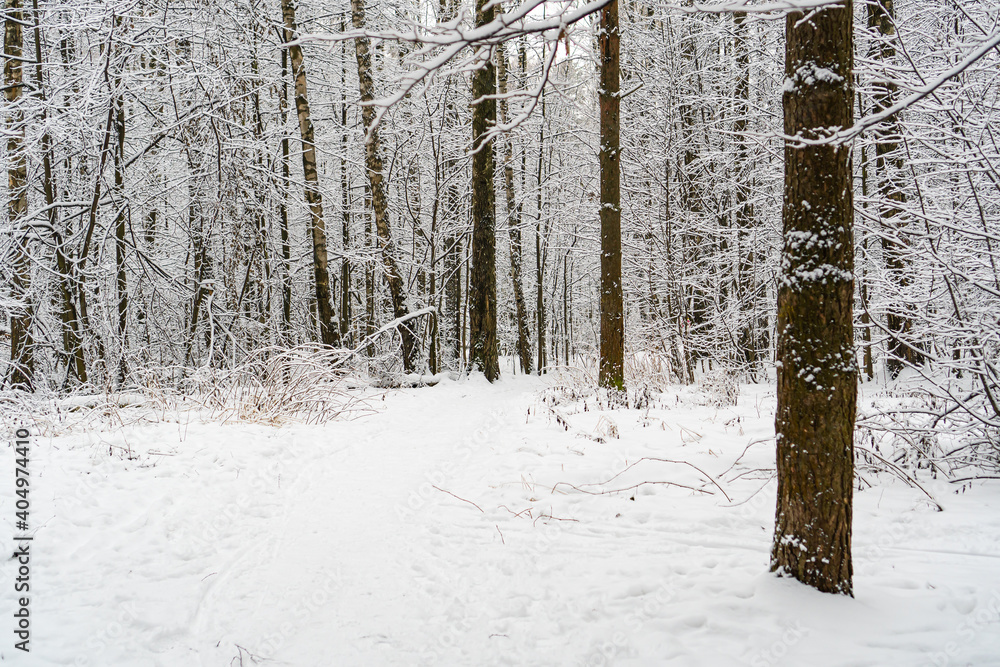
column 469, row 524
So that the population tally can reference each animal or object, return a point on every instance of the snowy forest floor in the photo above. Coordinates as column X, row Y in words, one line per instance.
column 470, row 524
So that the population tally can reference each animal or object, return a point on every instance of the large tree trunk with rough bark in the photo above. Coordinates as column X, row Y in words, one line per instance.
column 611, row 372
column 483, row 276
column 817, row 370
column 329, row 327
column 513, row 223
column 22, row 360
column 373, row 164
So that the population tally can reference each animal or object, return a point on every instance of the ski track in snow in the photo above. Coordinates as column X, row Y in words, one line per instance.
column 243, row 544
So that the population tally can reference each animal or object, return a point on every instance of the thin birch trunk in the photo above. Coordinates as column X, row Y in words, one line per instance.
column 328, row 325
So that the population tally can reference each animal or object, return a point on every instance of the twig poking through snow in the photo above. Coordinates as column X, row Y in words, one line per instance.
column 462, row 499
column 902, row 474
column 628, row 488
column 651, row 458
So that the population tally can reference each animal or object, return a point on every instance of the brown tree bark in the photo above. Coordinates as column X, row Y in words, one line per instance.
column 753, row 332
column 694, row 302
column 513, row 223
column 450, row 328
column 345, row 194
column 889, row 169
column 258, row 280
column 817, row 369
column 611, row 372
column 328, row 324
column 72, row 350
column 373, row 164
column 483, row 276
column 866, row 322
column 22, row 359
column 675, row 295
column 432, row 346
column 453, row 293
column 121, row 277
column 199, row 254
column 370, row 244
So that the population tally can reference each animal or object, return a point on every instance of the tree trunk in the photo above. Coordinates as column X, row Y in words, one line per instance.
column 373, row 164
column 286, row 249
column 345, row 194
column 328, row 325
column 566, row 308
column 22, row 359
column 866, row 322
column 432, row 347
column 452, row 247
column 451, row 221
column 369, row 275
column 453, row 292
column 752, row 332
column 261, row 282
column 199, row 254
column 889, row 171
column 692, row 176
column 121, row 278
column 72, row 350
column 611, row 373
column 483, row 279
column 84, row 254
column 817, row 369
column 513, row 224
column 539, row 242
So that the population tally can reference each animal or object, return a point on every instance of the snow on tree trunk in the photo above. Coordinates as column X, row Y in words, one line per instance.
column 513, row 224
column 611, row 372
column 483, row 276
column 373, row 165
column 817, row 371
column 889, row 173
column 328, row 325
column 22, row 362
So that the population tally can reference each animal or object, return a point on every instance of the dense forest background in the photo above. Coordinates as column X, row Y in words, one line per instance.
column 162, row 223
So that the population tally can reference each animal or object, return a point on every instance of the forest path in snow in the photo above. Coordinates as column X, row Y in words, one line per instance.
column 470, row 524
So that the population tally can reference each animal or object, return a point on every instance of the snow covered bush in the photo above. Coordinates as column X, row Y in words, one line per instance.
column 720, row 388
